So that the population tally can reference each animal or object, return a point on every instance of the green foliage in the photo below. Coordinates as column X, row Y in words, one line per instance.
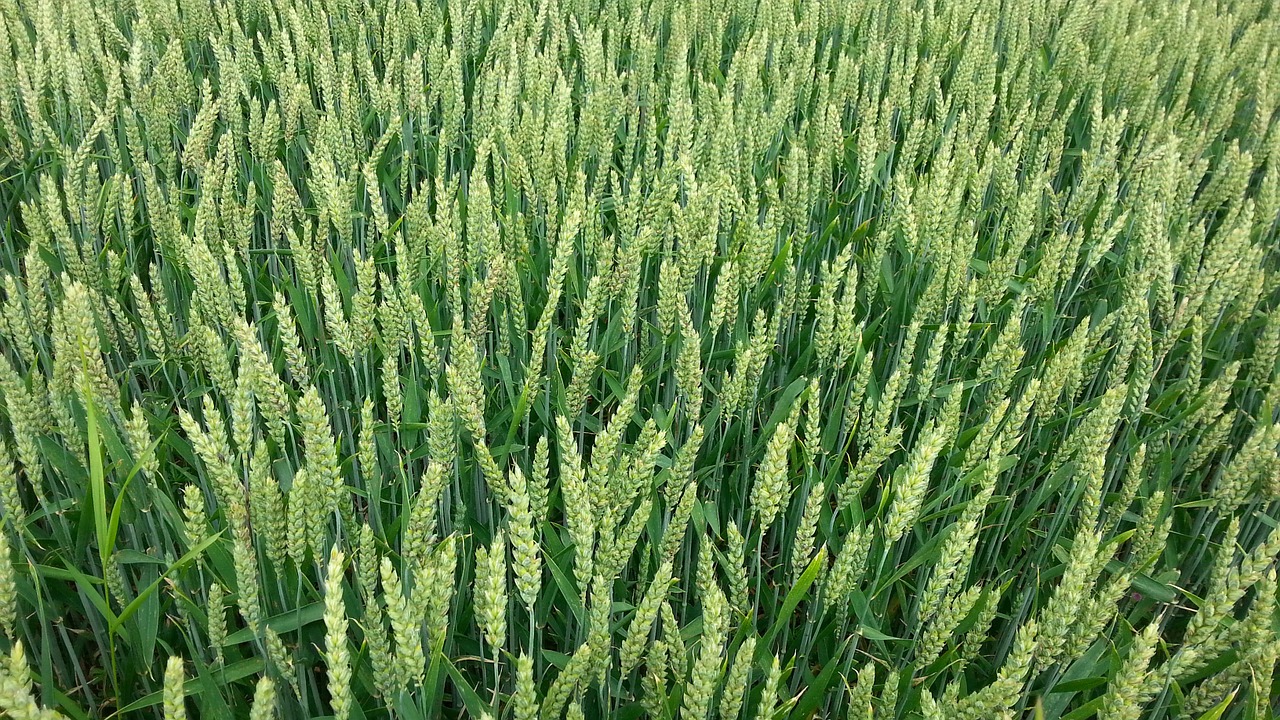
column 674, row 359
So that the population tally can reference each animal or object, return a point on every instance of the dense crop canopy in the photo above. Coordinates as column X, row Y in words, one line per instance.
column 690, row 359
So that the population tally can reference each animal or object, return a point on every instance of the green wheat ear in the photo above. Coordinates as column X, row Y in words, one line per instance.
column 175, row 707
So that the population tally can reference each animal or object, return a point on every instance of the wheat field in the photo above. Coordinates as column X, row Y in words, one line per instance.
column 696, row 359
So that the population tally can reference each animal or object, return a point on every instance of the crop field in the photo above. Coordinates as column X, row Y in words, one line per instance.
column 669, row 359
